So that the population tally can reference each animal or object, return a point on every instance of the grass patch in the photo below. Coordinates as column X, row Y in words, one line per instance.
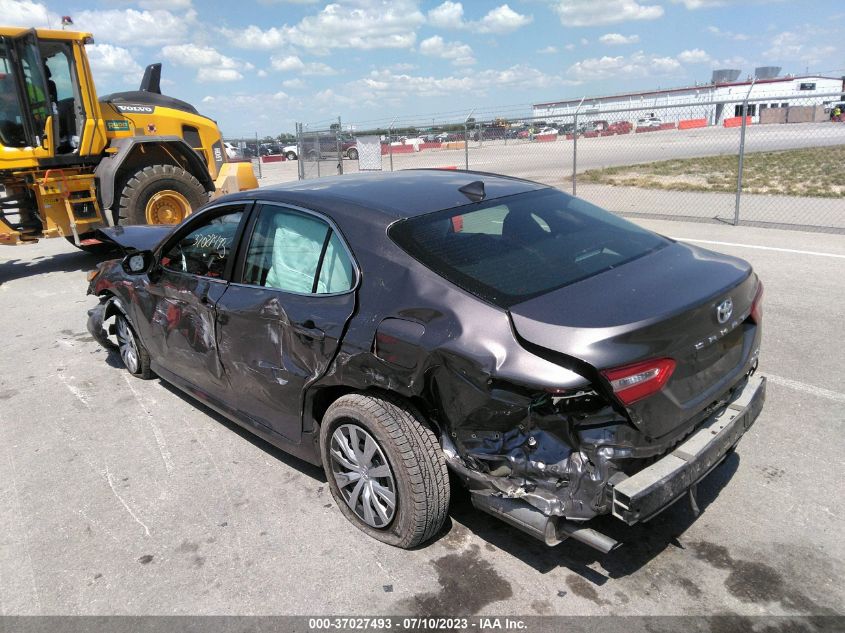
column 817, row 172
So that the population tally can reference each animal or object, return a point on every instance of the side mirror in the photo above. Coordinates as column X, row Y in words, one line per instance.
column 138, row 263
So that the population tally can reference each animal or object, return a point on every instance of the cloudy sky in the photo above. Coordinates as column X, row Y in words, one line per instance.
column 261, row 65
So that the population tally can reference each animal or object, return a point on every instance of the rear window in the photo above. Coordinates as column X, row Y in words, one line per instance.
column 511, row 249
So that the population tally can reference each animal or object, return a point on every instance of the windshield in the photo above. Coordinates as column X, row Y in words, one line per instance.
column 512, row 249
column 11, row 115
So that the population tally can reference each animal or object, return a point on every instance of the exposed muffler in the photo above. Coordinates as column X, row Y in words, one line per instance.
column 550, row 530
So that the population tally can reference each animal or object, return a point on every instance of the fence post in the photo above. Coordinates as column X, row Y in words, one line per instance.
column 466, row 146
column 744, row 113
column 575, row 154
column 575, row 148
column 300, row 162
column 258, row 151
column 390, row 144
column 319, row 153
column 337, row 136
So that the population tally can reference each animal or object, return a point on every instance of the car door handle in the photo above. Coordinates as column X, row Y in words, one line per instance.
column 309, row 330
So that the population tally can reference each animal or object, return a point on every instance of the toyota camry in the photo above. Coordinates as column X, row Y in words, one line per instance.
column 562, row 362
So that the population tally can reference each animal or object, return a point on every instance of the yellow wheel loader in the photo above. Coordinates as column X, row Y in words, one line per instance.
column 71, row 163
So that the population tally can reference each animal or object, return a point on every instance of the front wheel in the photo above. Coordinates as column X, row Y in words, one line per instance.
column 352, row 153
column 385, row 469
column 160, row 194
column 132, row 352
column 291, row 155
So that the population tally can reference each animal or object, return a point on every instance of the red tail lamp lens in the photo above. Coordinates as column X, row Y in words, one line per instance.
column 757, row 306
column 635, row 382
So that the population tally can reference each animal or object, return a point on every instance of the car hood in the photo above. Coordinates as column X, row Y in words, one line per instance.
column 136, row 238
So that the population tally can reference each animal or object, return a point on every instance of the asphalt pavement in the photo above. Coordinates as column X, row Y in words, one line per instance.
column 122, row 496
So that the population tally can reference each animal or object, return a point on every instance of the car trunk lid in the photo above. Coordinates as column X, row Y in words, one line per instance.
column 662, row 305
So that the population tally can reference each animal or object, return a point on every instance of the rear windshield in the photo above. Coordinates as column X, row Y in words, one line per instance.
column 511, row 249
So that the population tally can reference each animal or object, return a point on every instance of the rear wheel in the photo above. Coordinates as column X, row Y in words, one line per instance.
column 133, row 354
column 291, row 155
column 385, row 469
column 352, row 153
column 160, row 194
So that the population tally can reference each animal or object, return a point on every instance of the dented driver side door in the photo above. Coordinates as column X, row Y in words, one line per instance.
column 185, row 288
column 281, row 320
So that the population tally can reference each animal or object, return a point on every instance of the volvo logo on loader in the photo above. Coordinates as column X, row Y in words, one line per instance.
column 137, row 109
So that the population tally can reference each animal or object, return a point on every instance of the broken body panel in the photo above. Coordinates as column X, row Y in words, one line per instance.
column 517, row 394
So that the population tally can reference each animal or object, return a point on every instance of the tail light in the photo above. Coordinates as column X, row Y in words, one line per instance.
column 635, row 382
column 757, row 305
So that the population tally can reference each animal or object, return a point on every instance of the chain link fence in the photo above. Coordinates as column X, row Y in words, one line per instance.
column 773, row 161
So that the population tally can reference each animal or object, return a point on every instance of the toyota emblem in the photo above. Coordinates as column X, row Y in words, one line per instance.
column 724, row 310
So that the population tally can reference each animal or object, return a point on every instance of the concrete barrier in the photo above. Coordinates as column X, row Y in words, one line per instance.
column 773, row 115
column 545, row 138
column 397, row 149
column 667, row 126
column 273, row 158
column 736, row 121
column 453, row 145
column 430, row 145
column 688, row 124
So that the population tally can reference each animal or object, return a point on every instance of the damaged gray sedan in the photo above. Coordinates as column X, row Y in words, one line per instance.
column 561, row 362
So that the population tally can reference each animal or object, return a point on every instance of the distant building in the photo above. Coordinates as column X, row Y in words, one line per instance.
column 674, row 104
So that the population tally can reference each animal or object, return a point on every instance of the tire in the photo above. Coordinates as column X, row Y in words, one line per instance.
column 408, row 454
column 291, row 155
column 134, row 355
column 140, row 187
column 352, row 153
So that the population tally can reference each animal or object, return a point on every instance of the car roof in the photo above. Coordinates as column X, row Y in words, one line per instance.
column 397, row 195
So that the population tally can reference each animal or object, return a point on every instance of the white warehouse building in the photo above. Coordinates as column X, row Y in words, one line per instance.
column 716, row 101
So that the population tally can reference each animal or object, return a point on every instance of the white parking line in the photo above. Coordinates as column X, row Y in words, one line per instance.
column 803, row 386
column 762, row 248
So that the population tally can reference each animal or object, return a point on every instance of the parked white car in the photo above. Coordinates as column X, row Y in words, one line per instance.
column 289, row 152
column 649, row 121
column 547, row 130
column 231, row 150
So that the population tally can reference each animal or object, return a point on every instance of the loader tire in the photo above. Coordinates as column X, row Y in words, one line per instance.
column 159, row 194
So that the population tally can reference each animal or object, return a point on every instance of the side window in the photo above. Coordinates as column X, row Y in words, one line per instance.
column 295, row 252
column 207, row 249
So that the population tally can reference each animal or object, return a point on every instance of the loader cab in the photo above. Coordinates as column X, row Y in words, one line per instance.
column 40, row 98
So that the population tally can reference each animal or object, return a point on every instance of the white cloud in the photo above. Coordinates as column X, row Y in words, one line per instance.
column 218, row 74
column 548, row 50
column 637, row 65
column 137, row 28
column 360, row 24
column 292, row 63
column 570, row 47
column 730, row 35
column 165, row 4
column 29, row 14
column 287, row 63
column 502, row 19
column 449, row 15
column 211, row 65
column 113, row 61
column 617, row 39
column 460, row 54
column 804, row 44
column 591, row 13
column 701, row 4
column 693, row 56
column 295, row 84
column 380, row 84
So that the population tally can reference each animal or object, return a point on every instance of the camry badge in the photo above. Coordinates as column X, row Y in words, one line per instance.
column 724, row 310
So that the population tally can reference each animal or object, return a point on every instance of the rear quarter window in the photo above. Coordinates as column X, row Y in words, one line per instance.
column 511, row 249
